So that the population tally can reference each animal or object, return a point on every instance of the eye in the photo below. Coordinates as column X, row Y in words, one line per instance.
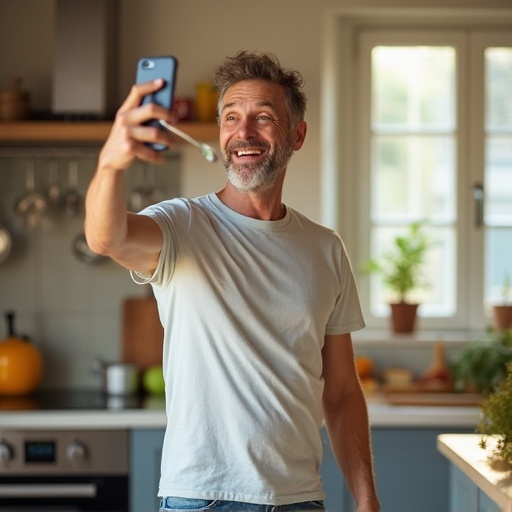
column 264, row 118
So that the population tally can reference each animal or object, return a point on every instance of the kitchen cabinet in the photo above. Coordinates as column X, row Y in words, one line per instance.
column 465, row 496
column 53, row 132
column 411, row 474
column 146, row 453
column 479, row 480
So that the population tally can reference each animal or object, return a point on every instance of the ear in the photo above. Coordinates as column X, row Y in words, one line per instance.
column 300, row 135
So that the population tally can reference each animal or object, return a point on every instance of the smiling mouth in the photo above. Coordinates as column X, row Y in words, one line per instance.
column 247, row 149
column 248, row 152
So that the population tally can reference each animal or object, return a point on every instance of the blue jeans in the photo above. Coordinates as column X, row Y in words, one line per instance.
column 174, row 504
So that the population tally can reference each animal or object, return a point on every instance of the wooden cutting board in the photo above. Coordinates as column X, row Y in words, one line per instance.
column 142, row 332
column 435, row 399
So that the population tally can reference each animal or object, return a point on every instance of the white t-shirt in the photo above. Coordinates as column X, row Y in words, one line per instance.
column 246, row 305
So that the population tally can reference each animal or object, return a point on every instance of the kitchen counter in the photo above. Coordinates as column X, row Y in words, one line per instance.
column 490, row 474
column 149, row 412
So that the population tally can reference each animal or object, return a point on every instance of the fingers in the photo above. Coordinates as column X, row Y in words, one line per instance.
column 138, row 91
column 129, row 133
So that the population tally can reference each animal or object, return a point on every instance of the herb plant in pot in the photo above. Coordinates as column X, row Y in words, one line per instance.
column 502, row 311
column 482, row 365
column 401, row 269
column 496, row 418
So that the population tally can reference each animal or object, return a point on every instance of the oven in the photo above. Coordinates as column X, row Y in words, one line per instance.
column 64, row 470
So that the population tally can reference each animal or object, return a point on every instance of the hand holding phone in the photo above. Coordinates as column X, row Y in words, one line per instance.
column 151, row 68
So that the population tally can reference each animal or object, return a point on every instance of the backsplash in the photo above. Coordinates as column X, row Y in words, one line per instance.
column 70, row 309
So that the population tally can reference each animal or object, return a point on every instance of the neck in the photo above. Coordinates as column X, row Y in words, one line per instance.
column 262, row 206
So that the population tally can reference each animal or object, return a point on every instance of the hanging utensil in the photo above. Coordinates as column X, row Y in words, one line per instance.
column 73, row 200
column 139, row 195
column 154, row 193
column 145, row 193
column 33, row 204
column 54, row 192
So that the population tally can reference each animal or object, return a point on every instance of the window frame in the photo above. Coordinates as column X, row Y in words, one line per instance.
column 341, row 129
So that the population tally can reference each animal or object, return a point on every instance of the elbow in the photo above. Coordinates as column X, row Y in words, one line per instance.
column 95, row 243
column 334, row 400
column 97, row 247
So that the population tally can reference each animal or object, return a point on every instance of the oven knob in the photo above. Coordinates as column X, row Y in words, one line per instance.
column 6, row 452
column 76, row 451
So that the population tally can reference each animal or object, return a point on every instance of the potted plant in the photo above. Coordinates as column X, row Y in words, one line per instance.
column 496, row 419
column 401, row 269
column 502, row 312
column 482, row 366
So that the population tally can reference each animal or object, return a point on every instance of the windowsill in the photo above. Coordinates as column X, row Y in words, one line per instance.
column 421, row 339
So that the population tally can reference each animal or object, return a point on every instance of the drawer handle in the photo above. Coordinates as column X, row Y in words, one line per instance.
column 47, row 490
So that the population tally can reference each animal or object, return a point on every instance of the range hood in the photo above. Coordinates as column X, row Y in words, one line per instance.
column 84, row 67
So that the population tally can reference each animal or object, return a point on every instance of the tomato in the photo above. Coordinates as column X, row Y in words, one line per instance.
column 364, row 366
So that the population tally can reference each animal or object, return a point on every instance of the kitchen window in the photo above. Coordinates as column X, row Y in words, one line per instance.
column 424, row 133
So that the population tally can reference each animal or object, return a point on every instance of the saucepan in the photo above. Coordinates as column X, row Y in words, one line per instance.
column 5, row 243
column 118, row 379
column 84, row 253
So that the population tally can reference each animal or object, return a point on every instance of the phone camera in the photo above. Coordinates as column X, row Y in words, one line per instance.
column 148, row 64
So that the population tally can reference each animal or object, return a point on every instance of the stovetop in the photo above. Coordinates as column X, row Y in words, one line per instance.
column 64, row 400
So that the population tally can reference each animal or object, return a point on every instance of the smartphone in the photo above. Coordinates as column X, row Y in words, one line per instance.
column 151, row 68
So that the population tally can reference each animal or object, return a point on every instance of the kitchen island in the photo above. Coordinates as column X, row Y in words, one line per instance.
column 480, row 481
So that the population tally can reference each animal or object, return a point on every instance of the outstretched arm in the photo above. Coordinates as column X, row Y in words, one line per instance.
column 346, row 419
column 134, row 241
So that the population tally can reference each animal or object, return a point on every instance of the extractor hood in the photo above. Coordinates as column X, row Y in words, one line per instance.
column 85, row 63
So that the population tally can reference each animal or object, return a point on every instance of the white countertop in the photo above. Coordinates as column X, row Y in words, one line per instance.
column 152, row 415
column 489, row 473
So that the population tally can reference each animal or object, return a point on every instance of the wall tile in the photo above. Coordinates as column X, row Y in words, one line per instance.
column 71, row 310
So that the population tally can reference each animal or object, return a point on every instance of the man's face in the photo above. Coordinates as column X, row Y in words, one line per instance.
column 255, row 134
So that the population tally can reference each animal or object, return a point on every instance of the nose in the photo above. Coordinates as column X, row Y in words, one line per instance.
column 246, row 129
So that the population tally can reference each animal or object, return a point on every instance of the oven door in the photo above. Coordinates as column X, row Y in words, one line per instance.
column 64, row 494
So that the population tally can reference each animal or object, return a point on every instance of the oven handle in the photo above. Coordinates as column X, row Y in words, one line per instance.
column 47, row 490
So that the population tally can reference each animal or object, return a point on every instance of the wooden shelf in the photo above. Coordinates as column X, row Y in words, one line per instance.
column 52, row 132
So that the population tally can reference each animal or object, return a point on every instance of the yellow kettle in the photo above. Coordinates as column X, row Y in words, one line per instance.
column 21, row 364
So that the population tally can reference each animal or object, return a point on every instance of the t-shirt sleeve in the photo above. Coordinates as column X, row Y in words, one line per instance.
column 165, row 215
column 347, row 315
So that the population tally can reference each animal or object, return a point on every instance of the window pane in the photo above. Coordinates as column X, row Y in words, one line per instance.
column 413, row 176
column 498, row 76
column 498, row 181
column 413, row 164
column 498, row 259
column 413, row 87
column 498, row 171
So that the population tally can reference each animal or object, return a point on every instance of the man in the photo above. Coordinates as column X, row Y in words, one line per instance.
column 257, row 304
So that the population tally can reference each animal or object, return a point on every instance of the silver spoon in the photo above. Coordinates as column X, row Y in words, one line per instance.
column 207, row 151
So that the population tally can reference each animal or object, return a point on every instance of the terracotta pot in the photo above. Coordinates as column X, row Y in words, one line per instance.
column 502, row 317
column 403, row 317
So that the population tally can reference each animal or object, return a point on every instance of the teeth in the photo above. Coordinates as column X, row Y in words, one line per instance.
column 245, row 152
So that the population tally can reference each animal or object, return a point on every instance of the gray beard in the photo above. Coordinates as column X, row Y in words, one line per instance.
column 258, row 178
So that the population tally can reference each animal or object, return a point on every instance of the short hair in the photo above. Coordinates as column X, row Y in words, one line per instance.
column 263, row 66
